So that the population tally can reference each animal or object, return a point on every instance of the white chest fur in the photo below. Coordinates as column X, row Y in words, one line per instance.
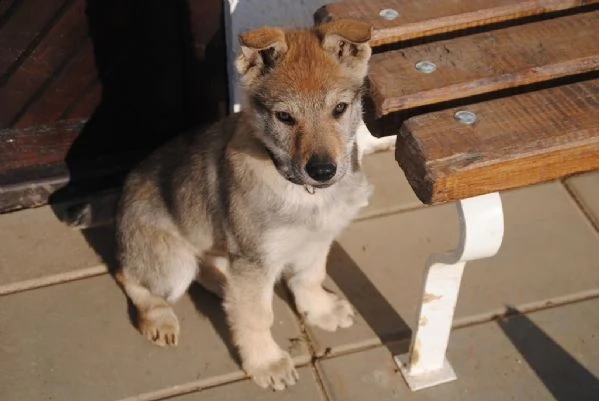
column 314, row 219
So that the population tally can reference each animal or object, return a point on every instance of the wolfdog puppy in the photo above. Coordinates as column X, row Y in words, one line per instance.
column 258, row 196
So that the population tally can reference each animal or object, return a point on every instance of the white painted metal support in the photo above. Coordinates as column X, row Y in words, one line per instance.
column 481, row 225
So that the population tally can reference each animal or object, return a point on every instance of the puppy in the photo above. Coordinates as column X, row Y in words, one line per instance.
column 258, row 196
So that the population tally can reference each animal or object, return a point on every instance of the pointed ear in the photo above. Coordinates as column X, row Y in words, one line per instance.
column 347, row 40
column 261, row 50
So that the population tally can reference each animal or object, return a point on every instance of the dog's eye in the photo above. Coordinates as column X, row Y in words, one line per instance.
column 285, row 117
column 339, row 110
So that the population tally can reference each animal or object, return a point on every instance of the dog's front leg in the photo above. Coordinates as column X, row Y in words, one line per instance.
column 318, row 306
column 248, row 304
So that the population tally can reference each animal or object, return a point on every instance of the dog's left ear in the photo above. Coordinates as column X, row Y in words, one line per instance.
column 347, row 40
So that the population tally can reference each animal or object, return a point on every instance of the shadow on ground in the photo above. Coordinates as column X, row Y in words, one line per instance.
column 562, row 374
column 161, row 66
column 367, row 300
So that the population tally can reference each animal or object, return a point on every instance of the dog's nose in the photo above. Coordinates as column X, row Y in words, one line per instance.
column 321, row 168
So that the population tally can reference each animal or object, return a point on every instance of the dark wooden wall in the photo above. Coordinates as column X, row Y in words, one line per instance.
column 89, row 87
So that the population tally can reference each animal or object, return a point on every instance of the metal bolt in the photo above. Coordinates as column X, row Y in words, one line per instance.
column 465, row 117
column 426, row 67
column 389, row 14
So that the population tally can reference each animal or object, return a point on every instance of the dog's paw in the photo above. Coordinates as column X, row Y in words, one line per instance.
column 160, row 325
column 277, row 373
column 331, row 315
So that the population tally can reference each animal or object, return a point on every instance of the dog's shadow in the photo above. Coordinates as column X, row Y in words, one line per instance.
column 209, row 306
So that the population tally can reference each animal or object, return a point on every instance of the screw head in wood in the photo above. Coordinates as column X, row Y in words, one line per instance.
column 426, row 67
column 465, row 117
column 389, row 14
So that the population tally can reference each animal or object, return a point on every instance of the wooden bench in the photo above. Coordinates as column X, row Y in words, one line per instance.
column 484, row 96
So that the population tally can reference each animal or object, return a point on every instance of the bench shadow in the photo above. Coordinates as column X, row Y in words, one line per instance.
column 367, row 300
column 562, row 374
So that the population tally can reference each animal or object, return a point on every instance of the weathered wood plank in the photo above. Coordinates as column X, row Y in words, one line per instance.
column 6, row 6
column 64, row 90
column 38, row 145
column 423, row 18
column 85, row 105
column 516, row 141
column 23, row 26
column 30, row 187
column 61, row 42
column 485, row 62
column 38, row 185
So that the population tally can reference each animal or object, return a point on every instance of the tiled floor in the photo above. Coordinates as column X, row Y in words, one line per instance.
column 65, row 332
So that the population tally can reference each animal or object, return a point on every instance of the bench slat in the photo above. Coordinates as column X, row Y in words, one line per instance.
column 485, row 62
column 516, row 141
column 423, row 18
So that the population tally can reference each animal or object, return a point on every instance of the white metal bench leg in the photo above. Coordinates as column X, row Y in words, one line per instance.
column 481, row 226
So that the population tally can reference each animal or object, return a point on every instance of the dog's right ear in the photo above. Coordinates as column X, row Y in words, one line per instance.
column 261, row 50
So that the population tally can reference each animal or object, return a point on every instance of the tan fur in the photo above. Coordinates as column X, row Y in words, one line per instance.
column 258, row 196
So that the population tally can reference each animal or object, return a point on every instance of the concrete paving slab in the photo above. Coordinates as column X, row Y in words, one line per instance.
column 34, row 243
column 74, row 341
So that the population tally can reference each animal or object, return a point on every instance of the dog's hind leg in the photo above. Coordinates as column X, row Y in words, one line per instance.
column 156, row 319
column 157, row 268
column 214, row 270
column 318, row 306
column 248, row 303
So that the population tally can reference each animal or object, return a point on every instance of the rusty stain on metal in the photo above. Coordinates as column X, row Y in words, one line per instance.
column 415, row 353
column 430, row 297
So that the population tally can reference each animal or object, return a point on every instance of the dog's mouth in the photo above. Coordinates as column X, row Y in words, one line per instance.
column 321, row 186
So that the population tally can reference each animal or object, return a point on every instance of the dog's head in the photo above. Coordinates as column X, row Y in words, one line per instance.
column 304, row 92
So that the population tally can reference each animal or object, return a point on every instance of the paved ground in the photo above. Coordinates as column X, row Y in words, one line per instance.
column 65, row 332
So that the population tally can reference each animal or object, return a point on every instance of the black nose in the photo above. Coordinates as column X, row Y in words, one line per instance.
column 321, row 168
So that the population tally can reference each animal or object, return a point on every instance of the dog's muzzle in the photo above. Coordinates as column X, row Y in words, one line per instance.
column 289, row 177
column 310, row 188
